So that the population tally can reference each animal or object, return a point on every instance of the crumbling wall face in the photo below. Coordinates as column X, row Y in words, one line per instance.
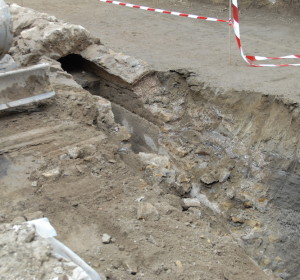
column 241, row 150
column 38, row 34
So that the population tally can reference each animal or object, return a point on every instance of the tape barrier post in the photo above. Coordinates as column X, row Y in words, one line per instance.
column 229, row 35
column 250, row 58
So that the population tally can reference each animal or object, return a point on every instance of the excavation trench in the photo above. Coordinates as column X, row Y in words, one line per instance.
column 237, row 151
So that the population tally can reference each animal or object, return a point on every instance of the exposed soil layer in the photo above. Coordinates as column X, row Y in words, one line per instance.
column 189, row 180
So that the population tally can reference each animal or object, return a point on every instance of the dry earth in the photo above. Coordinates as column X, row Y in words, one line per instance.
column 170, row 42
column 70, row 159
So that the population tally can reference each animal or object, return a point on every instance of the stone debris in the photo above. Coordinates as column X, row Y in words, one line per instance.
column 224, row 174
column 21, row 246
column 191, row 202
column 131, row 267
column 128, row 68
column 106, row 238
column 40, row 35
column 52, row 174
column 74, row 152
column 210, row 178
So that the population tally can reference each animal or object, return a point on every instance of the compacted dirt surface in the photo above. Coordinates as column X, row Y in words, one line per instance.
column 148, row 173
column 171, row 42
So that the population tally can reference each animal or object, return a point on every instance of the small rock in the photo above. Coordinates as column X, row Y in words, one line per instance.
column 237, row 220
column 121, row 247
column 123, row 134
column 35, row 184
column 191, row 202
column 224, row 174
column 116, row 264
column 139, row 199
column 74, row 153
column 106, row 238
column 131, row 267
column 123, row 150
column 179, row 264
column 182, row 178
column 53, row 173
column 230, row 193
column 248, row 204
column 147, row 211
column 209, row 178
column 181, row 151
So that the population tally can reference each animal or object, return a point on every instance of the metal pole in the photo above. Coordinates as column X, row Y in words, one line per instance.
column 229, row 9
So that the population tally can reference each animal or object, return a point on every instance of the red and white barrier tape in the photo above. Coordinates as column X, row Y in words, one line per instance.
column 234, row 22
column 249, row 58
column 162, row 11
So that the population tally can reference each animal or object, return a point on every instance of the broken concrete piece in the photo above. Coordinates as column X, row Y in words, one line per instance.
column 39, row 34
column 128, row 68
column 106, row 238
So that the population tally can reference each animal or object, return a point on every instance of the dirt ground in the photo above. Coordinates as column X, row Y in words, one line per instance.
column 81, row 183
column 66, row 161
column 170, row 42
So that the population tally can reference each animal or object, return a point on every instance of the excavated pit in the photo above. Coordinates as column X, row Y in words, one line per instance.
column 238, row 149
column 170, row 167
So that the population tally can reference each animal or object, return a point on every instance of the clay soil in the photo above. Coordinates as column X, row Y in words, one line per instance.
column 96, row 192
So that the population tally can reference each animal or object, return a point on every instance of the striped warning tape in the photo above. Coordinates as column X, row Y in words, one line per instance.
column 233, row 22
column 250, row 58
column 162, row 11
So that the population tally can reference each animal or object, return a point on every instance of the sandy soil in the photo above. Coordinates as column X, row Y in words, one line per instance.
column 174, row 42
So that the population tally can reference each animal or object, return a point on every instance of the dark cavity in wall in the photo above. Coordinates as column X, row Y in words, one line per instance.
column 79, row 68
column 98, row 82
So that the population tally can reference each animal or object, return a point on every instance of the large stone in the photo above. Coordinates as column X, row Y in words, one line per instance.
column 39, row 34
